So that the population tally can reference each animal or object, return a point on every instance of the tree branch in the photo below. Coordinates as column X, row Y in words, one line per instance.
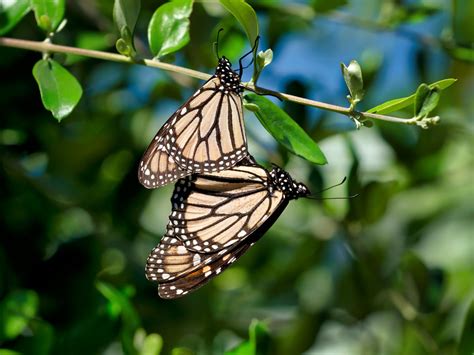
column 46, row 47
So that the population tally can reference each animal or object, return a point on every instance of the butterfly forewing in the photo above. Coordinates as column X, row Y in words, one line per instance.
column 206, row 134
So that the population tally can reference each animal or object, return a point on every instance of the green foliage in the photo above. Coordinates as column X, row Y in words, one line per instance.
column 401, row 103
column 257, row 343
column 284, row 129
column 168, row 30
column 48, row 13
column 246, row 16
column 12, row 12
column 353, row 77
column 388, row 272
column 60, row 91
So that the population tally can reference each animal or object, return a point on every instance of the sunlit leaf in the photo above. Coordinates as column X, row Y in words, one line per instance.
column 152, row 345
column 60, row 91
column 257, row 343
column 48, row 13
column 284, row 129
column 246, row 16
column 168, row 30
column 11, row 12
column 398, row 104
column 353, row 78
column 16, row 311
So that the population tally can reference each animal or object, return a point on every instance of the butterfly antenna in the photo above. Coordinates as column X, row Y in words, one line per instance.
column 216, row 43
column 255, row 45
column 333, row 198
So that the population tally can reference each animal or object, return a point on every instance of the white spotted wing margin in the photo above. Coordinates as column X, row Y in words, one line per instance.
column 215, row 219
column 206, row 134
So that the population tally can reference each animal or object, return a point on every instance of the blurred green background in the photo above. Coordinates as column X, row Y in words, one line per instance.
column 388, row 272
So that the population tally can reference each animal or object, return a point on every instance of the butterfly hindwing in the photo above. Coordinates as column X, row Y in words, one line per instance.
column 213, row 211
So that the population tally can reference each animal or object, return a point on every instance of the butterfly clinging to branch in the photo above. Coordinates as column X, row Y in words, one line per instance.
column 206, row 134
column 215, row 218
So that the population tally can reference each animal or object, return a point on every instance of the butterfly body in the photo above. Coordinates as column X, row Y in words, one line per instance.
column 206, row 134
column 215, row 218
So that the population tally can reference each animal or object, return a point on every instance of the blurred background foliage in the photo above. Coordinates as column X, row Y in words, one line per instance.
column 389, row 272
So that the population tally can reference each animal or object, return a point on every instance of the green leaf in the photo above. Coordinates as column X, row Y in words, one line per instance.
column 168, row 30
column 60, row 91
column 264, row 58
column 284, row 129
column 152, row 345
column 398, row 104
column 16, row 311
column 466, row 343
column 125, row 14
column 353, row 78
column 246, row 16
column 11, row 12
column 257, row 343
column 421, row 93
column 322, row 6
column 48, row 13
column 426, row 100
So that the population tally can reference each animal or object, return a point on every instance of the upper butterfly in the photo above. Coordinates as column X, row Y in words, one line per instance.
column 216, row 217
column 206, row 134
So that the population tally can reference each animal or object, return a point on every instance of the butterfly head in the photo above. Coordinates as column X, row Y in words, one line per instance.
column 230, row 80
column 284, row 182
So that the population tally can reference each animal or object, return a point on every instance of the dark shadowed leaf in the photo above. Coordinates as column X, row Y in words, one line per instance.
column 168, row 30
column 466, row 344
column 284, row 129
column 246, row 16
column 48, row 13
column 60, row 91
column 11, row 12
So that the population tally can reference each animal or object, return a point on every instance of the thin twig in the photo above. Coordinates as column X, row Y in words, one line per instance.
column 46, row 47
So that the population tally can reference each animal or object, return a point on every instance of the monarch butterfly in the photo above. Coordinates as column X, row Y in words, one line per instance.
column 206, row 134
column 215, row 218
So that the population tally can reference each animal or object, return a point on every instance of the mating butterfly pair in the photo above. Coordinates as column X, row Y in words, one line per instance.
column 223, row 201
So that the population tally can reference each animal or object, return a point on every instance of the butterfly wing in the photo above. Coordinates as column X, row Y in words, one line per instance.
column 180, row 271
column 211, row 212
column 208, row 134
column 205, row 134
column 157, row 168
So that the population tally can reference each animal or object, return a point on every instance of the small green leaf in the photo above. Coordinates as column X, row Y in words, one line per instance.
column 257, row 343
column 16, row 310
column 48, row 13
column 398, row 104
column 264, row 58
column 353, row 78
column 168, row 30
column 421, row 93
column 426, row 100
column 152, row 345
column 284, row 129
column 9, row 352
column 125, row 14
column 11, row 13
column 245, row 14
column 60, row 91
column 123, row 48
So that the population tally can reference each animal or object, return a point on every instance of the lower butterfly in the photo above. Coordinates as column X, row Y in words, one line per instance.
column 215, row 218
